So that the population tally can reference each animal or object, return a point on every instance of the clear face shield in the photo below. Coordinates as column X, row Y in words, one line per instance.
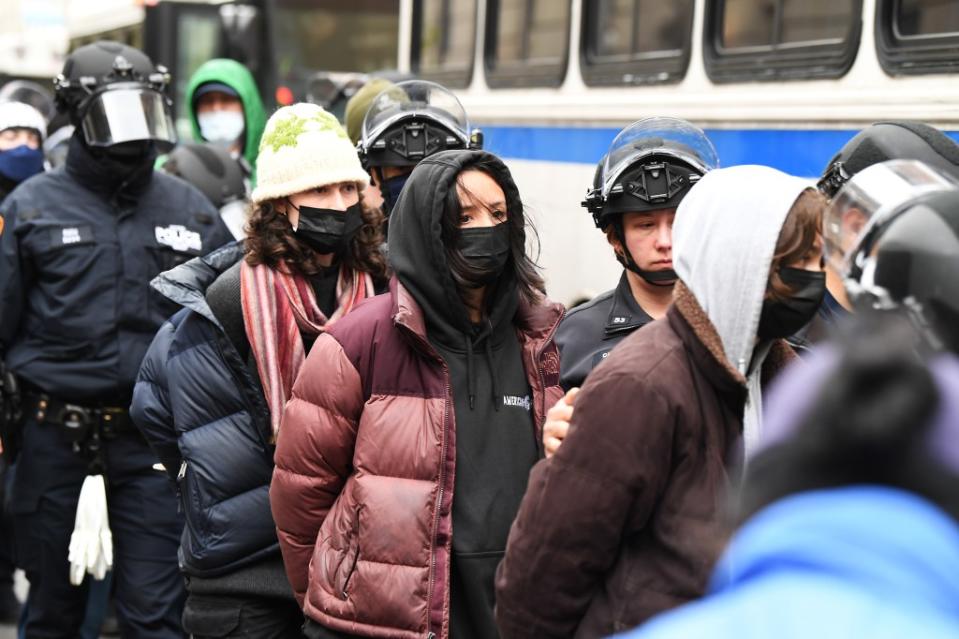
column 128, row 113
column 859, row 211
column 657, row 136
column 420, row 100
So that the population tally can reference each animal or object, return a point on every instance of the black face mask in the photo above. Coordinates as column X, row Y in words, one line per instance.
column 391, row 189
column 328, row 230
column 784, row 318
column 486, row 251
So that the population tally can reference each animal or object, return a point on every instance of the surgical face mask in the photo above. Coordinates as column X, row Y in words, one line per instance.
column 19, row 163
column 486, row 252
column 328, row 230
column 221, row 127
column 391, row 189
column 784, row 318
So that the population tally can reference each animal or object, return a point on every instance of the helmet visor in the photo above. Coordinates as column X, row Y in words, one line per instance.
column 658, row 136
column 867, row 200
column 129, row 114
column 414, row 99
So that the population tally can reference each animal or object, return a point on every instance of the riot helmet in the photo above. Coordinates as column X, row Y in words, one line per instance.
column 905, row 252
column 911, row 261
column 897, row 140
column 650, row 166
column 412, row 120
column 212, row 170
column 114, row 95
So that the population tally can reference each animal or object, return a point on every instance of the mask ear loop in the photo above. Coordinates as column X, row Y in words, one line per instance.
column 289, row 203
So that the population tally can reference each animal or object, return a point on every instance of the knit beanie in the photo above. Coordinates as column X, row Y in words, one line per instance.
column 303, row 147
column 17, row 115
column 360, row 103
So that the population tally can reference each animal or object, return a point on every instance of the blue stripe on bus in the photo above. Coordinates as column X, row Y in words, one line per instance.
column 795, row 151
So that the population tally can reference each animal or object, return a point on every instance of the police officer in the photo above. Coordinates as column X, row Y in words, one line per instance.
column 645, row 174
column 78, row 249
column 212, row 169
column 879, row 142
column 649, row 168
column 903, row 255
column 405, row 123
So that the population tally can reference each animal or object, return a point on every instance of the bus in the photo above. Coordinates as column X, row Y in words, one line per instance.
column 550, row 82
column 778, row 82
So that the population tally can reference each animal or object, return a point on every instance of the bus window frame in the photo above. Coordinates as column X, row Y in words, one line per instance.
column 665, row 66
column 770, row 63
column 524, row 74
column 912, row 55
column 454, row 78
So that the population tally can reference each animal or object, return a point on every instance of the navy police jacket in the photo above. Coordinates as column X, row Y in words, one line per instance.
column 77, row 253
column 201, row 409
column 590, row 331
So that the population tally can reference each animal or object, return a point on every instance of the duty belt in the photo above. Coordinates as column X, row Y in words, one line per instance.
column 109, row 421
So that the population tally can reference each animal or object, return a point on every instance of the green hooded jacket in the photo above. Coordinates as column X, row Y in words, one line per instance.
column 237, row 76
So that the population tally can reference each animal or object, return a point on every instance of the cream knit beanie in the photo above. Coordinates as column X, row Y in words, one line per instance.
column 304, row 147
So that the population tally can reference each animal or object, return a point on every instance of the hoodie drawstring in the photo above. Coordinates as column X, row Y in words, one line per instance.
column 492, row 373
column 470, row 378
column 470, row 370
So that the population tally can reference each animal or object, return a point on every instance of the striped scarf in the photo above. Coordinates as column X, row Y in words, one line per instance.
column 279, row 310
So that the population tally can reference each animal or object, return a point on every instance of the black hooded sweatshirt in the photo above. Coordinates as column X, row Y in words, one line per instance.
column 494, row 434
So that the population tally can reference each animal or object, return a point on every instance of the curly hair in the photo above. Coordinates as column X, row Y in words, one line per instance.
column 270, row 240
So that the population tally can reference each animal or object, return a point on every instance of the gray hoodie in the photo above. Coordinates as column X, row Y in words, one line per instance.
column 724, row 238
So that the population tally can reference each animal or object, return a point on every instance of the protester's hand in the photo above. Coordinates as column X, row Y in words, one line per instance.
column 557, row 422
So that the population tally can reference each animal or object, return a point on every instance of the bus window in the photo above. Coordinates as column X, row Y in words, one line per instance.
column 527, row 42
column 198, row 40
column 635, row 41
column 917, row 36
column 780, row 39
column 336, row 35
column 444, row 38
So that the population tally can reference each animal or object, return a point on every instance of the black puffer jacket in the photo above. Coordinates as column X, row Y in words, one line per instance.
column 203, row 412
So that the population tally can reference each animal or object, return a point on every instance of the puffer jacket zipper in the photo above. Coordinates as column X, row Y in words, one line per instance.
column 439, row 502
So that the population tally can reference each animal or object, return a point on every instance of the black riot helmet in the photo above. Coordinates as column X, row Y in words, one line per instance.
column 114, row 94
column 895, row 140
column 650, row 166
column 217, row 175
column 915, row 262
column 411, row 121
column 903, row 252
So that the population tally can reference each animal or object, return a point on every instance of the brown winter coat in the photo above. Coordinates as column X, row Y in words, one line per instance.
column 363, row 487
column 624, row 521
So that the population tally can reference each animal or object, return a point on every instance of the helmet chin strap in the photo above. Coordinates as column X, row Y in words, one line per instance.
column 665, row 277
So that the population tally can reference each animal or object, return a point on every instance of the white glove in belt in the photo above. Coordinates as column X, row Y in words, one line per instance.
column 91, row 545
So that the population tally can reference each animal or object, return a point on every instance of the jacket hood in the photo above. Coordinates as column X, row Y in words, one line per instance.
column 418, row 257
column 881, row 538
column 724, row 238
column 238, row 77
column 186, row 284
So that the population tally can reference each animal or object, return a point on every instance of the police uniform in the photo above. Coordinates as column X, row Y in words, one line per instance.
column 590, row 331
column 77, row 253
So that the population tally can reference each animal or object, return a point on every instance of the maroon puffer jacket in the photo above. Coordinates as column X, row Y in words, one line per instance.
column 363, row 487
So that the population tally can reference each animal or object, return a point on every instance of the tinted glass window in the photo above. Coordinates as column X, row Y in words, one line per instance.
column 626, row 28
column 337, row 35
column 447, row 36
column 768, row 23
column 531, row 32
column 927, row 17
